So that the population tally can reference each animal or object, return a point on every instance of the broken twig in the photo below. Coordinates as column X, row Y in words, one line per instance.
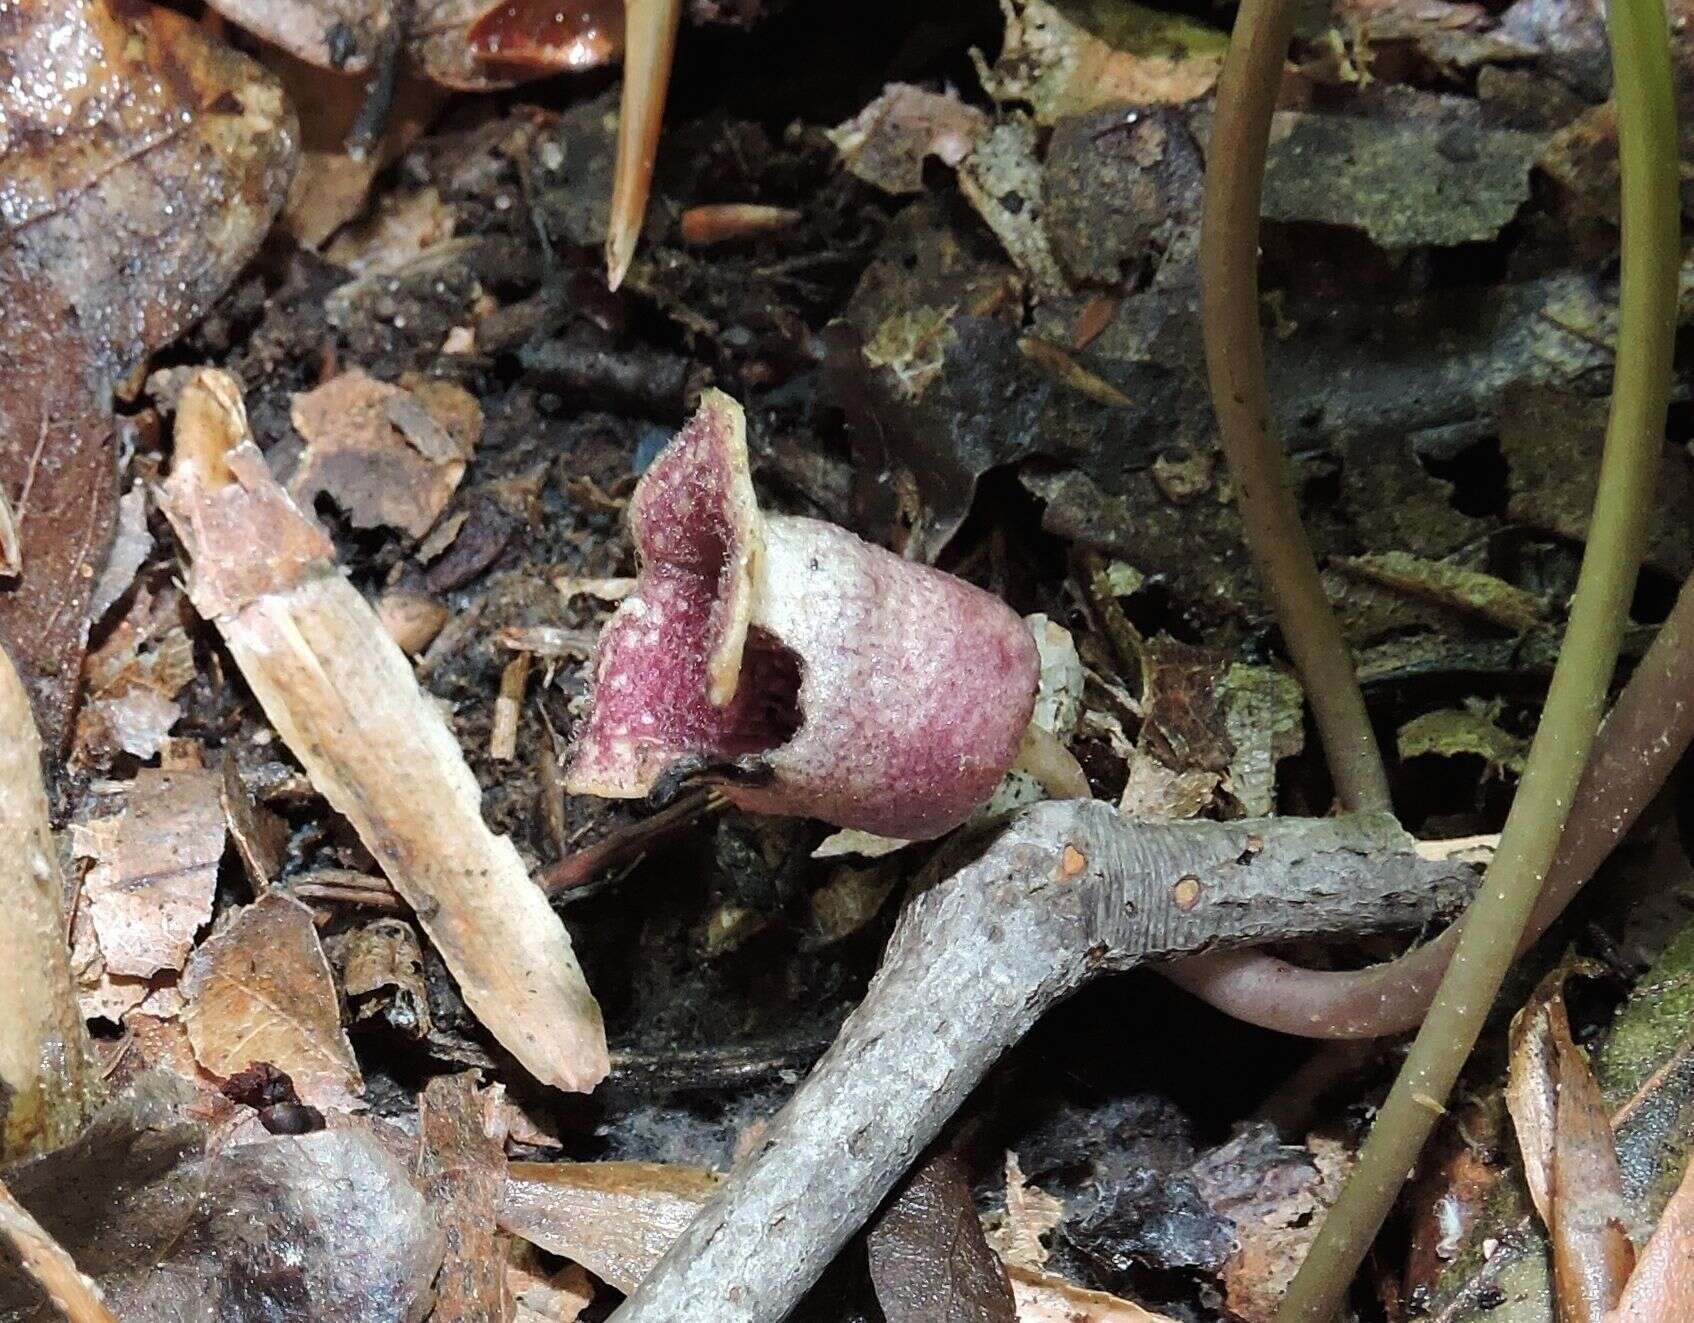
column 344, row 698
column 1072, row 890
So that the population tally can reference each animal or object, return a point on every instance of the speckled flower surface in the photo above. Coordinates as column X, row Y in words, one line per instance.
column 807, row 670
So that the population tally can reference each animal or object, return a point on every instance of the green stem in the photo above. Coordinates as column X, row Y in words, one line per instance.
column 1235, row 364
column 1628, row 473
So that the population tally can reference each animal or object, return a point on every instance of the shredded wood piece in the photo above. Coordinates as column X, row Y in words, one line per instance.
column 514, row 680
column 345, row 701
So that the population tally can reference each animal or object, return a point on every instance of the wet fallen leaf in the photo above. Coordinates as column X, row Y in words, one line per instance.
column 929, row 1259
column 1067, row 57
column 156, row 869
column 887, row 142
column 462, row 1167
column 358, row 456
column 259, row 989
column 1661, row 1290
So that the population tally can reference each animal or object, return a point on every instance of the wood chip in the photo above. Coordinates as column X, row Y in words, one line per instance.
column 508, row 706
column 462, row 1167
column 260, row 990
column 348, row 705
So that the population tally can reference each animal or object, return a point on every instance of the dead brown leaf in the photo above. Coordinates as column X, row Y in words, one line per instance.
column 1043, row 1298
column 133, row 680
column 370, row 467
column 260, row 990
column 1570, row 1159
column 382, row 974
column 1030, row 1214
column 156, row 869
column 462, row 1165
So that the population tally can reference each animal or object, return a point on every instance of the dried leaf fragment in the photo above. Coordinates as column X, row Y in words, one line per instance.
column 150, row 889
column 887, row 142
column 347, row 703
column 929, row 1259
column 260, row 990
column 1031, row 1213
column 368, row 463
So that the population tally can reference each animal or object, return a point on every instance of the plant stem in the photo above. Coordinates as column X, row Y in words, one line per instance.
column 1235, row 364
column 1628, row 473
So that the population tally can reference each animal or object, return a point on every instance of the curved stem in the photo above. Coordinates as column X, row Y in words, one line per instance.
column 1648, row 731
column 1628, row 472
column 1235, row 365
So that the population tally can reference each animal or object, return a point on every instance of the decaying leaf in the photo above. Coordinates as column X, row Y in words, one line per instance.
column 1068, row 57
column 614, row 1218
column 1405, row 182
column 853, row 896
column 1569, row 1159
column 462, row 1166
column 887, row 142
column 347, row 703
column 133, row 680
column 1466, row 592
column 259, row 989
column 929, row 1259
column 1262, row 713
column 367, row 462
column 1274, row 1194
column 1471, row 729
column 156, row 869
column 1154, row 792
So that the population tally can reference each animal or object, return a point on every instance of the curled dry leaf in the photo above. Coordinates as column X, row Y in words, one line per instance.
column 347, row 703
column 156, row 869
column 614, row 1218
column 368, row 462
column 1570, row 1160
column 887, row 142
column 260, row 990
column 44, row 1075
column 141, row 162
column 462, row 1167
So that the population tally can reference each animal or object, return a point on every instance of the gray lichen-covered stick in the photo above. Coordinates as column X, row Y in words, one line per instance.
column 1070, row 891
column 344, row 699
column 45, row 1078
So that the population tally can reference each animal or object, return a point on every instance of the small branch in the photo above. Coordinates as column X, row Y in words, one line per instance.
column 1623, row 505
column 1069, row 892
column 344, row 699
column 1235, row 365
column 45, row 1082
column 77, row 1298
column 1648, row 731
